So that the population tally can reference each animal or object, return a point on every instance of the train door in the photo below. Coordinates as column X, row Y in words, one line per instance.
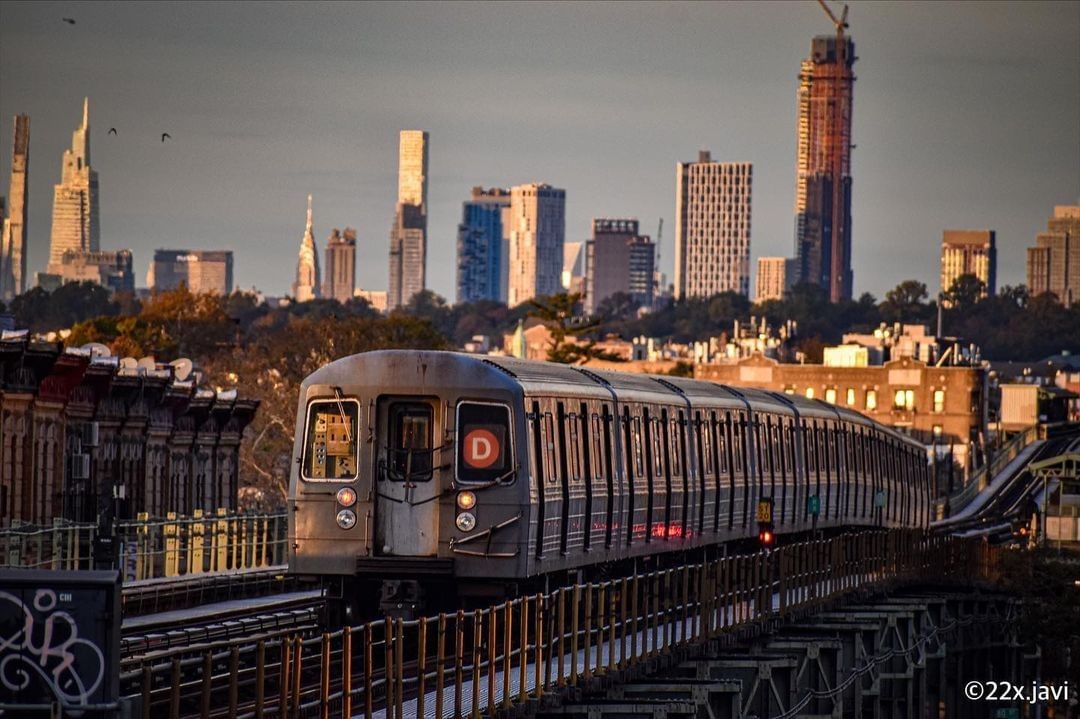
column 406, row 510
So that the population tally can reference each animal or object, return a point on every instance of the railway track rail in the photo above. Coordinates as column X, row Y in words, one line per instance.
column 301, row 612
column 152, row 596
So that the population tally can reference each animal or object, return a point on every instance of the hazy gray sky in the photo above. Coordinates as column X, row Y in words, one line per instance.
column 965, row 115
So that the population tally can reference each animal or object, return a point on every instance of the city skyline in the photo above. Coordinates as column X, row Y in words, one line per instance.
column 995, row 123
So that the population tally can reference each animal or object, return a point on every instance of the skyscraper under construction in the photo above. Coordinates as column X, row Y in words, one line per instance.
column 823, row 169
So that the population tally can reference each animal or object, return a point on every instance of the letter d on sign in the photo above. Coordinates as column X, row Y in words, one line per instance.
column 481, row 449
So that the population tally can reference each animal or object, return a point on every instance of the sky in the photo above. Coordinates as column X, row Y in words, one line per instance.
column 966, row 115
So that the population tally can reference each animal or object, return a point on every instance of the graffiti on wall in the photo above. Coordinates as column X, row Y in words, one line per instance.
column 42, row 653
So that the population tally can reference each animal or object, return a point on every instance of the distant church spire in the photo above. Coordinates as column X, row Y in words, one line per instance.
column 85, row 113
column 308, row 283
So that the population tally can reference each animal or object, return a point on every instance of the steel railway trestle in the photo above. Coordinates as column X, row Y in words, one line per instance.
column 528, row 654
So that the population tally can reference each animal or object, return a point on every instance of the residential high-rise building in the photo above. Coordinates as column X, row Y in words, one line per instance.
column 13, row 237
column 618, row 259
column 1053, row 264
column 408, row 236
column 307, row 286
column 76, row 217
column 339, row 280
column 823, row 167
column 712, row 227
column 200, row 271
column 969, row 252
column 772, row 278
column 481, row 245
column 108, row 269
column 537, row 233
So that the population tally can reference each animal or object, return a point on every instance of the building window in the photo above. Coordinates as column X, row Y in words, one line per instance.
column 850, row 397
column 830, row 395
column 939, row 401
column 789, row 390
column 871, row 400
column 809, row 392
column 904, row 399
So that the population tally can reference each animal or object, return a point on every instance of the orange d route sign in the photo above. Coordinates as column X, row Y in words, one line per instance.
column 481, row 449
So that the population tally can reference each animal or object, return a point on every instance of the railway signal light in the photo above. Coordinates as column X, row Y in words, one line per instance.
column 766, row 535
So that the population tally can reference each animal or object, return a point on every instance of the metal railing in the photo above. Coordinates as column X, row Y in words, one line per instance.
column 154, row 548
column 63, row 546
column 981, row 477
column 474, row 663
column 178, row 546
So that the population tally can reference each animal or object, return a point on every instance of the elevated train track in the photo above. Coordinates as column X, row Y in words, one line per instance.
column 538, row 647
column 1010, row 501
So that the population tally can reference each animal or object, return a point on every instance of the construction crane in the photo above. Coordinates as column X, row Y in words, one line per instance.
column 838, row 137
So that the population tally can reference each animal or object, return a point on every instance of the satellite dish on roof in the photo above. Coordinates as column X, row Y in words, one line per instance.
column 182, row 368
column 147, row 363
column 128, row 363
column 96, row 349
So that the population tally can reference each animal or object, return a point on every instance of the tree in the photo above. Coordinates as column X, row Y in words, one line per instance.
column 567, row 329
column 618, row 306
column 966, row 291
column 41, row 311
column 905, row 302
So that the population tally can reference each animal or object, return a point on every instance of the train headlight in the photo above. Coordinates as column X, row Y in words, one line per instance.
column 466, row 500
column 346, row 519
column 346, row 496
column 465, row 521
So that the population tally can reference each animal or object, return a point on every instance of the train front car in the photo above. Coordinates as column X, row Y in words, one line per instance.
column 399, row 456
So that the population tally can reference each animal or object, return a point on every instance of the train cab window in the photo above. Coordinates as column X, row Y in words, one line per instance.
column 484, row 452
column 331, row 442
column 409, row 442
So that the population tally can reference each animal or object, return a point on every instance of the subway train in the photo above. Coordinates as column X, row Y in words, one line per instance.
column 421, row 474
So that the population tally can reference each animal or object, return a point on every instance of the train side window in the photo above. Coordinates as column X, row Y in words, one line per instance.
column 639, row 449
column 676, row 451
column 606, row 451
column 331, row 441
column 720, row 428
column 704, row 434
column 547, row 437
column 485, row 445
column 657, row 436
column 596, row 439
column 738, row 438
column 573, row 453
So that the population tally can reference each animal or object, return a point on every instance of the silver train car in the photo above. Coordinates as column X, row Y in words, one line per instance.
column 453, row 473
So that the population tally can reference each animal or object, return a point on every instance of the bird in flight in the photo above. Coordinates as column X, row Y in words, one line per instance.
column 164, row 135
column 68, row 20
column 112, row 130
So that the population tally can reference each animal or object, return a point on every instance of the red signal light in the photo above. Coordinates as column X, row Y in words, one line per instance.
column 766, row 536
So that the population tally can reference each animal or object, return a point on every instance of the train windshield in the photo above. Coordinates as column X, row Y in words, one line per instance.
column 483, row 451
column 331, row 443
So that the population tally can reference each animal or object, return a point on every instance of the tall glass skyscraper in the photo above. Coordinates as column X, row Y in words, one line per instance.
column 481, row 245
